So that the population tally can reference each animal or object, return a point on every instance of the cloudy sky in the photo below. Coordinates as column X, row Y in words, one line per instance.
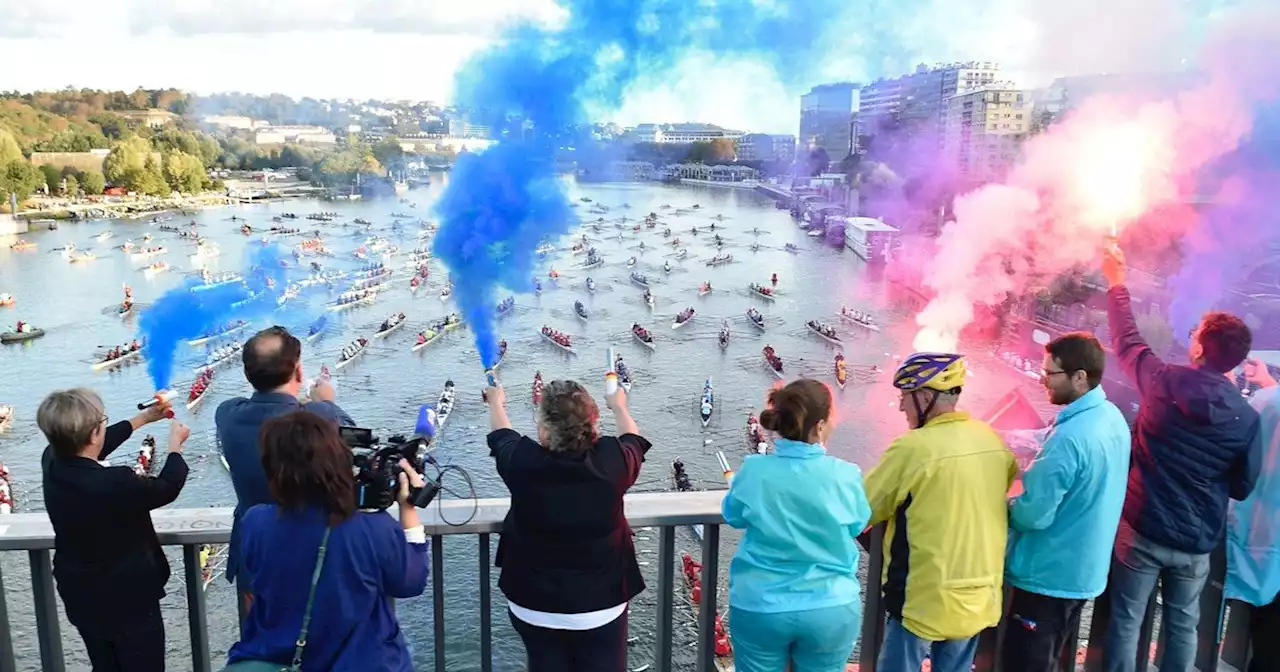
column 410, row 49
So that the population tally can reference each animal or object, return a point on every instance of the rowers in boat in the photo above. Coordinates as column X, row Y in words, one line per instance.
column 537, row 287
column 666, row 267
column 642, row 335
column 704, row 289
column 773, row 280
column 790, row 247
column 675, row 242
column 707, row 406
column 148, row 252
column 559, row 338
column 502, row 353
column 219, row 356
column 505, row 306
column 648, row 298
column 444, row 405
column 537, row 388
column 682, row 253
column 579, row 248
column 773, row 361
column 680, row 477
column 591, row 285
column 640, row 279
column 694, row 230
column 198, row 388
column 228, row 328
column 755, row 435
column 317, row 328
column 7, row 299
column 827, row 332
column 22, row 331
column 724, row 334
column 22, row 245
column 351, row 351
column 593, row 260
column 631, row 262
column 720, row 259
column 624, row 374
column 842, row 373
column 761, row 291
column 119, row 355
column 553, row 273
column 146, row 456
column 446, row 292
column 389, row 325
column 414, row 282
column 6, row 491
column 755, row 247
column 436, row 330
column 859, row 318
column 666, row 233
column 353, row 298
column 683, row 318
column 580, row 310
column 6, row 416
column 85, row 256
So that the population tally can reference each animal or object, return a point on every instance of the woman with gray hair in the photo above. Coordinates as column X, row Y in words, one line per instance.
column 108, row 564
column 568, row 564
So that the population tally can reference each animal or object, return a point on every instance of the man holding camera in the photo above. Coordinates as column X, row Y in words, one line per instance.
column 273, row 366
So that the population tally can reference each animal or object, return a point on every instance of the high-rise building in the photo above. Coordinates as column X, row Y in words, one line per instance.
column 827, row 119
column 917, row 98
column 983, row 130
column 766, row 147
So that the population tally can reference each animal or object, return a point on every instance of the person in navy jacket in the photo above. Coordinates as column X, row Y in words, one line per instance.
column 1196, row 444
column 370, row 558
column 273, row 366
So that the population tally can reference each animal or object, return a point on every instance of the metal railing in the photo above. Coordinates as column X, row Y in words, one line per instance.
column 191, row 528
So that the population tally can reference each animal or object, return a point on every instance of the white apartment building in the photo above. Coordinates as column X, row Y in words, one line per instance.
column 681, row 134
column 983, row 130
column 918, row 97
column 233, row 121
column 311, row 135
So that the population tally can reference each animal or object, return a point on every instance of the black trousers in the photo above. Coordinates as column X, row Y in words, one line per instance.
column 603, row 649
column 1038, row 630
column 134, row 643
column 1264, row 632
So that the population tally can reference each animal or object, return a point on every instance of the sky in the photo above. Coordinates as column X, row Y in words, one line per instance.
column 410, row 49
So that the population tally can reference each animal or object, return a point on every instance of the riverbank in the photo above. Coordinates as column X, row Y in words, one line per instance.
column 124, row 207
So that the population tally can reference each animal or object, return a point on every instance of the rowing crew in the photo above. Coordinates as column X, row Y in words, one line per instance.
column 761, row 289
column 857, row 316
column 200, row 385
column 122, row 350
column 821, row 328
column 391, row 322
column 774, row 360
column 641, row 333
column 438, row 326
column 557, row 336
column 354, row 348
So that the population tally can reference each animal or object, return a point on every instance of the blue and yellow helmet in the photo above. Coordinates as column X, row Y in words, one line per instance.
column 932, row 370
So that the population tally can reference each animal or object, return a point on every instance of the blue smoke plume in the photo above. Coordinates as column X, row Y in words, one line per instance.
column 1237, row 240
column 533, row 89
column 181, row 314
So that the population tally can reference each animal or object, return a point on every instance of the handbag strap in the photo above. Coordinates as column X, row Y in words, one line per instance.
column 296, row 666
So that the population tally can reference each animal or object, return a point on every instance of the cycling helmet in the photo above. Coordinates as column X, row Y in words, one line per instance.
column 930, row 370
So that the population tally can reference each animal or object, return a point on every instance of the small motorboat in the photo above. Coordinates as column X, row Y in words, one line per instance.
column 28, row 333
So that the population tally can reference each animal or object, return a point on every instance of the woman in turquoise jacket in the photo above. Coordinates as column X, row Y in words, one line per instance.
column 793, row 595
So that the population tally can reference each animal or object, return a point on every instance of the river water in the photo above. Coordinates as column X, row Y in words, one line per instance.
column 384, row 388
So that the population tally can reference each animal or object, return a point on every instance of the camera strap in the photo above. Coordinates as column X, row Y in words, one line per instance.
column 311, row 598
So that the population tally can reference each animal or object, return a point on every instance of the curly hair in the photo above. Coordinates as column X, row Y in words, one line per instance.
column 307, row 464
column 569, row 415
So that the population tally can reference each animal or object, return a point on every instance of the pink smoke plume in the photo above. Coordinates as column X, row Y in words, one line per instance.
column 1110, row 162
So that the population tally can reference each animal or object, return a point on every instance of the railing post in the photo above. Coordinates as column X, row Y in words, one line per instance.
column 48, row 631
column 197, row 622
column 666, row 586
column 437, row 597
column 707, row 606
column 486, row 608
column 8, row 663
column 873, row 609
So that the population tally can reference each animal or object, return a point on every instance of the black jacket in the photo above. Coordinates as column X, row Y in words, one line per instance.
column 1196, row 443
column 566, row 546
column 107, row 560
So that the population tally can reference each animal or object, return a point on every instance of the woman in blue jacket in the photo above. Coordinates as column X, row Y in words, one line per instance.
column 793, row 595
column 369, row 557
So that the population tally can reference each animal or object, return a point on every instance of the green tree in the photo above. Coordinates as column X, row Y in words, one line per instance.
column 21, row 178
column 71, row 186
column 113, row 126
column 389, row 153
column 128, row 158
column 370, row 166
column 92, row 182
column 151, row 180
column 184, row 172
column 9, row 148
column 52, row 179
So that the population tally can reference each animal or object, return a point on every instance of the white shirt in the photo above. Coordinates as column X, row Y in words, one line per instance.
column 586, row 621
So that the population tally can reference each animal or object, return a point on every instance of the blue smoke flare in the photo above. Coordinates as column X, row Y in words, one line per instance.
column 533, row 89
column 181, row 314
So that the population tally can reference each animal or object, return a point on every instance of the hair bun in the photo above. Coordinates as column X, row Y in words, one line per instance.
column 769, row 419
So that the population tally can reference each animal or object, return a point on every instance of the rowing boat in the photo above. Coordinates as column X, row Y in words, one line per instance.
column 16, row 337
column 816, row 328
column 705, row 289
column 360, row 351
column 680, row 323
column 580, row 310
column 444, row 329
column 112, row 363
column 760, row 292
column 639, row 280
column 649, row 343
column 144, row 254
column 759, row 323
column 444, row 406
column 566, row 348
column 205, row 339
column 769, row 363
column 77, row 258
column 230, row 353
column 624, row 374
column 192, row 403
column 364, row 301
column 155, row 269
column 592, row 263
column 391, row 328
column 707, row 407
column 848, row 316
column 691, row 570
column 720, row 259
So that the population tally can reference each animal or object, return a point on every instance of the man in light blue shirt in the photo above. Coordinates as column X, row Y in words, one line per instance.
column 1253, row 531
column 1062, row 527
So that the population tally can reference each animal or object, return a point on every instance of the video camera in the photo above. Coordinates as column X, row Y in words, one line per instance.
column 377, row 468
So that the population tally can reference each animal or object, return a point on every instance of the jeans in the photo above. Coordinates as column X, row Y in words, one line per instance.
column 902, row 651
column 132, row 644
column 603, row 649
column 815, row 640
column 1137, row 565
column 1039, row 627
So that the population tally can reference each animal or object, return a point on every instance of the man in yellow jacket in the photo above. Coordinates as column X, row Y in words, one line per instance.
column 942, row 488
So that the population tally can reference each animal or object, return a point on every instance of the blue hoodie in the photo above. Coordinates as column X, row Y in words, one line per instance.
column 1253, row 526
column 1063, row 525
column 801, row 510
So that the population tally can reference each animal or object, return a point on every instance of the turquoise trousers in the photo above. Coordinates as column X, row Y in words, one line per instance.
column 817, row 640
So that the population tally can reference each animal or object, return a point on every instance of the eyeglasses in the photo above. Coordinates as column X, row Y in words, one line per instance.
column 104, row 419
column 1048, row 374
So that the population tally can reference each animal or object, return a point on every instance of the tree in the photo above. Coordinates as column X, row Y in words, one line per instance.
column 71, row 186
column 389, row 153
column 184, row 172
column 370, row 166
column 128, row 158
column 21, row 178
column 9, row 148
column 52, row 179
column 113, row 126
column 92, row 182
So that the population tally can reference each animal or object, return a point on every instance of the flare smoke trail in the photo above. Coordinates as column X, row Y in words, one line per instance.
column 181, row 314
column 540, row 84
column 1108, row 164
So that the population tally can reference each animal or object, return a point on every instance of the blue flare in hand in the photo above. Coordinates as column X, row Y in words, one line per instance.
column 426, row 425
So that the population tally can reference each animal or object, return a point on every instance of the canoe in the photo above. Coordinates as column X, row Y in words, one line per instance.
column 834, row 340
column 342, row 363
column 757, row 292
column 112, row 363
column 566, row 348
column 15, row 337
column 206, row 339
column 649, row 343
column 392, row 328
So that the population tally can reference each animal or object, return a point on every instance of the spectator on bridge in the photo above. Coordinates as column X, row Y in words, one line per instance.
column 1196, row 443
column 794, row 597
column 1064, row 523
column 319, row 567
column 107, row 560
column 568, row 564
column 1253, row 532
column 273, row 366
column 942, row 489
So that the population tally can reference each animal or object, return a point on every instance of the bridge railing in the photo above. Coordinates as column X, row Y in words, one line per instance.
column 192, row 528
